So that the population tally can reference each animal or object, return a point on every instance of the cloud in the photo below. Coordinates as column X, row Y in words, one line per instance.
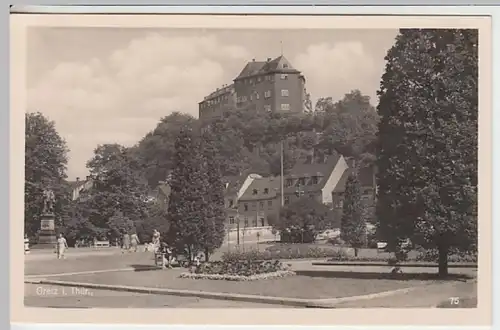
column 99, row 100
column 336, row 69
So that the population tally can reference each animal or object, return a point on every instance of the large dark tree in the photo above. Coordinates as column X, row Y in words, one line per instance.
column 301, row 221
column 45, row 166
column 353, row 224
column 118, row 196
column 428, row 138
column 188, row 202
column 214, row 228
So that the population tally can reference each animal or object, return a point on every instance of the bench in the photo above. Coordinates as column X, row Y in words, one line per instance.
column 99, row 244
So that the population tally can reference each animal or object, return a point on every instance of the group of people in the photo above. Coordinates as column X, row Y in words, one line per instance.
column 130, row 242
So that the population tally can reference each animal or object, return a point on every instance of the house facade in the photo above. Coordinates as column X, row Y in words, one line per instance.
column 273, row 85
column 366, row 177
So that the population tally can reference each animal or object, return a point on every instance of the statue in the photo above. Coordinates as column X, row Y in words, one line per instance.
column 49, row 201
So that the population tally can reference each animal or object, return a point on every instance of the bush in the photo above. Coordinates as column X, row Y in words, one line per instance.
column 433, row 256
column 280, row 252
column 240, row 267
column 297, row 236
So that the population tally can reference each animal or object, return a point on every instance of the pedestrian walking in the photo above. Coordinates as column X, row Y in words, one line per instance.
column 125, row 242
column 62, row 245
column 156, row 240
column 134, row 241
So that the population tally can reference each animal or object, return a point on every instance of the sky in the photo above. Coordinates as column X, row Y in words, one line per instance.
column 113, row 85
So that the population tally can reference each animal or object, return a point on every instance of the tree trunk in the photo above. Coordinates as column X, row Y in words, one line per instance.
column 443, row 260
column 356, row 251
column 207, row 255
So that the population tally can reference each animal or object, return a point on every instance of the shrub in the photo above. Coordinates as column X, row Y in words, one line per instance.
column 432, row 256
column 280, row 252
column 240, row 267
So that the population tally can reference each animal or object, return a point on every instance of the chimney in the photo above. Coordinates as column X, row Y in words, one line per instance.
column 88, row 177
column 269, row 59
column 253, row 59
column 77, row 179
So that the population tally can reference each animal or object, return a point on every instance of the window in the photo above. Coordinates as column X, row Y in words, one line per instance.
column 253, row 206
column 285, row 66
column 245, row 221
column 285, row 107
column 287, row 200
column 284, row 76
column 254, row 222
column 257, row 96
column 284, row 92
column 251, row 97
column 314, row 180
column 267, row 94
column 267, row 108
column 245, row 206
column 261, row 205
column 231, row 220
column 262, row 221
column 301, row 182
column 289, row 182
column 254, row 192
column 270, row 204
column 230, row 203
column 243, row 99
column 266, row 191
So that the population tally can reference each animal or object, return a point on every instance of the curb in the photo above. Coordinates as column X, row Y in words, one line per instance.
column 377, row 264
column 296, row 302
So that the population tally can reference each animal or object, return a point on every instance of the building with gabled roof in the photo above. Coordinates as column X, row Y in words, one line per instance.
column 273, row 86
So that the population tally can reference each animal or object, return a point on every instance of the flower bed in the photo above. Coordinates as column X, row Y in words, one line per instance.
column 262, row 276
column 239, row 270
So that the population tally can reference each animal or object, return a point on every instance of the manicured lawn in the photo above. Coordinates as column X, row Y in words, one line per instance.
column 293, row 287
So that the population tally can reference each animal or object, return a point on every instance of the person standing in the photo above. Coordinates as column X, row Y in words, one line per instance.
column 134, row 241
column 156, row 240
column 125, row 242
column 61, row 246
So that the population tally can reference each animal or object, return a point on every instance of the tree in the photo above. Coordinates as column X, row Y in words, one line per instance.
column 188, row 202
column 157, row 149
column 353, row 224
column 427, row 141
column 45, row 166
column 214, row 228
column 302, row 220
column 118, row 195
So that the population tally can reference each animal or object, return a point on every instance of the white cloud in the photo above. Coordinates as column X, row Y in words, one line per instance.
column 336, row 69
column 98, row 101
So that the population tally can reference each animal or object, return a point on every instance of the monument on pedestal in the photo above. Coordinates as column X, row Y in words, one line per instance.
column 47, row 234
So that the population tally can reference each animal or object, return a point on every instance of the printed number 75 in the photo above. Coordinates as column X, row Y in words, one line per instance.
column 454, row 300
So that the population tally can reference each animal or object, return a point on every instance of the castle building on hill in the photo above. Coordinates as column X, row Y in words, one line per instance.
column 272, row 85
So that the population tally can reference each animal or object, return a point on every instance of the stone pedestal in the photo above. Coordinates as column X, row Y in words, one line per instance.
column 47, row 235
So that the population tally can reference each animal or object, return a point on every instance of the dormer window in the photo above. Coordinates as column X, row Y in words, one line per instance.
column 314, row 180
column 266, row 191
column 289, row 182
column 254, row 192
column 285, row 66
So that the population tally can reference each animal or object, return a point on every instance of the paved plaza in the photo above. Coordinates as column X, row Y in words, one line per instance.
column 358, row 286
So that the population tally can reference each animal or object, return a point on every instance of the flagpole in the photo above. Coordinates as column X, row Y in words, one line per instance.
column 282, row 179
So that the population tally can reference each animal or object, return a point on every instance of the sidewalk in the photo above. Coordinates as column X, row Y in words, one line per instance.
column 48, row 254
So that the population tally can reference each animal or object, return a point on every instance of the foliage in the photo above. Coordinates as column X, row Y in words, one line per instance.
column 214, row 227
column 45, row 167
column 427, row 141
column 282, row 252
column 353, row 225
column 188, row 203
column 117, row 199
column 157, row 149
column 240, row 267
column 302, row 220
